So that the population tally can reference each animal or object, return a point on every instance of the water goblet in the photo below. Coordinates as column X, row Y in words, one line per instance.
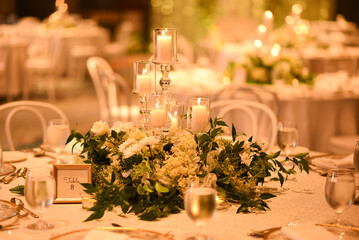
column 40, row 192
column 58, row 131
column 200, row 205
column 339, row 191
column 287, row 136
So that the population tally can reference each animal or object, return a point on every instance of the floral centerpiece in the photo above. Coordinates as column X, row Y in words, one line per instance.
column 265, row 68
column 147, row 175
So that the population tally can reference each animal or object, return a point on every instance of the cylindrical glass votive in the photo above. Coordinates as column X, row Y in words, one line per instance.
column 165, row 46
column 144, row 77
column 88, row 201
column 176, row 117
column 158, row 113
column 198, row 114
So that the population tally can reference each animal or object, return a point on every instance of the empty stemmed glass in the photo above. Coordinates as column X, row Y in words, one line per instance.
column 58, row 131
column 200, row 205
column 40, row 191
column 287, row 136
column 339, row 191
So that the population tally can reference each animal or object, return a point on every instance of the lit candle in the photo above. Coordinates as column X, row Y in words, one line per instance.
column 164, row 47
column 199, row 117
column 144, row 84
column 174, row 122
column 158, row 117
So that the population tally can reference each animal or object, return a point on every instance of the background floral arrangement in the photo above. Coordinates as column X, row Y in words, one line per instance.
column 265, row 68
column 147, row 175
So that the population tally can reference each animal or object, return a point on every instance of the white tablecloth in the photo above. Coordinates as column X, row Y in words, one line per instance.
column 302, row 198
column 319, row 114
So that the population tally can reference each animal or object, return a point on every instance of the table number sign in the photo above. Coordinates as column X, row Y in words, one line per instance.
column 68, row 179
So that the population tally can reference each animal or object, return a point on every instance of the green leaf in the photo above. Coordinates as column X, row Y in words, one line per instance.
column 113, row 177
column 301, row 155
column 281, row 179
column 114, row 134
column 88, row 187
column 148, row 216
column 18, row 190
column 125, row 206
column 96, row 215
column 160, row 188
column 234, row 133
column 266, row 196
column 147, row 188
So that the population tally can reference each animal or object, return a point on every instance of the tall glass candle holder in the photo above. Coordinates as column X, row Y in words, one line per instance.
column 198, row 115
column 165, row 55
column 176, row 117
column 158, row 114
column 144, row 84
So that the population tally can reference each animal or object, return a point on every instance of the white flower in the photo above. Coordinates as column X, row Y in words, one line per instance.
column 117, row 126
column 126, row 144
column 246, row 159
column 100, row 128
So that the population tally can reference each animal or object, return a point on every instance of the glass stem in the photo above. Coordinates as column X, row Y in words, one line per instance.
column 338, row 217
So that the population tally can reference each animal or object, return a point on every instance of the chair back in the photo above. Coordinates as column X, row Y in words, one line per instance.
column 107, row 84
column 258, row 94
column 259, row 117
column 40, row 110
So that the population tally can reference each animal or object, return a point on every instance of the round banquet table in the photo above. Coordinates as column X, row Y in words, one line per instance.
column 301, row 198
column 318, row 114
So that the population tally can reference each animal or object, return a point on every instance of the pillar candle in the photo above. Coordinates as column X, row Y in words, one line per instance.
column 199, row 118
column 144, row 84
column 158, row 117
column 174, row 123
column 164, row 48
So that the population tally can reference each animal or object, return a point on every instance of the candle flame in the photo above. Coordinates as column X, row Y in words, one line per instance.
column 144, row 71
column 175, row 113
column 164, row 32
column 199, row 101
column 158, row 105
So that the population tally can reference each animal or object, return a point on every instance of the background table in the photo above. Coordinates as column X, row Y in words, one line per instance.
column 302, row 198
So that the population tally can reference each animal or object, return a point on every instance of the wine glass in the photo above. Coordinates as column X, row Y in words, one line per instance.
column 200, row 205
column 287, row 136
column 40, row 191
column 339, row 191
column 58, row 131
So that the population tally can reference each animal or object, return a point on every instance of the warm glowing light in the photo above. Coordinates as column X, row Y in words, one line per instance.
column 290, row 20
column 226, row 81
column 199, row 101
column 295, row 82
column 268, row 14
column 297, row 29
column 297, row 9
column 144, row 71
column 274, row 52
column 277, row 46
column 258, row 43
column 262, row 28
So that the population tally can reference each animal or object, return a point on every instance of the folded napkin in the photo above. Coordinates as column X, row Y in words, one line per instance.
column 307, row 231
column 104, row 235
column 326, row 162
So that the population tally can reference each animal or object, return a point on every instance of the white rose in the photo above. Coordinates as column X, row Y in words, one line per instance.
column 100, row 128
column 117, row 126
